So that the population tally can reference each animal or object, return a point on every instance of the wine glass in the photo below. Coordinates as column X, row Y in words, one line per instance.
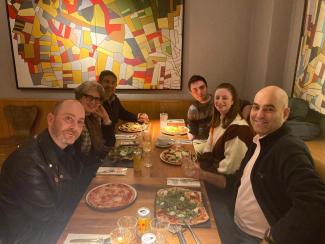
column 160, row 229
column 130, row 223
column 188, row 166
column 120, row 236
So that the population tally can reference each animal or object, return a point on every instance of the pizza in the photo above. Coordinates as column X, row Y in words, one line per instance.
column 132, row 127
column 111, row 196
column 178, row 204
column 174, row 156
column 175, row 130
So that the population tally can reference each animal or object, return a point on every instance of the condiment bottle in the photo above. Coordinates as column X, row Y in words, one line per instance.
column 144, row 218
column 148, row 238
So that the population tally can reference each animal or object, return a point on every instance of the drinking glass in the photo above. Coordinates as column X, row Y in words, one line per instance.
column 160, row 229
column 120, row 236
column 130, row 223
column 137, row 159
column 163, row 120
column 188, row 166
column 146, row 145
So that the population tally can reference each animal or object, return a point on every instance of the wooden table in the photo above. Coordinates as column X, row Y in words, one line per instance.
column 86, row 220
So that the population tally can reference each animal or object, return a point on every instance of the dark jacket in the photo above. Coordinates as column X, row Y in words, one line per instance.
column 116, row 112
column 287, row 188
column 39, row 188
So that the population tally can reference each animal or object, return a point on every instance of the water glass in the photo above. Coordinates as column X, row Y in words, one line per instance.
column 163, row 120
column 146, row 146
column 120, row 236
column 188, row 166
column 160, row 229
column 130, row 223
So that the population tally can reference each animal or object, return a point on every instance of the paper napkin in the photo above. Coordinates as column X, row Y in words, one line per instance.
column 73, row 238
column 125, row 136
column 111, row 171
column 190, row 182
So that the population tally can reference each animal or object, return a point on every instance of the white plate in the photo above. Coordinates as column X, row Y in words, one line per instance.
column 164, row 145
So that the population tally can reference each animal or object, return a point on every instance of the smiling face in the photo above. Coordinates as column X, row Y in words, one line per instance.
column 109, row 83
column 66, row 123
column 90, row 101
column 199, row 91
column 223, row 101
column 270, row 110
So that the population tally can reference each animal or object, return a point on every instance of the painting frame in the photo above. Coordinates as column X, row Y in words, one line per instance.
column 149, row 58
column 309, row 74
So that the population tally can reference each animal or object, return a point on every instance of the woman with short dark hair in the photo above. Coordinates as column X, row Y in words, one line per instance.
column 91, row 94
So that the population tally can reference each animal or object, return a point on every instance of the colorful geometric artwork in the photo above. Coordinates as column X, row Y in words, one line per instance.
column 310, row 71
column 62, row 43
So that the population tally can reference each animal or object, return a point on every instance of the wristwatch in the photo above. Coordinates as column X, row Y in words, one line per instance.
column 268, row 236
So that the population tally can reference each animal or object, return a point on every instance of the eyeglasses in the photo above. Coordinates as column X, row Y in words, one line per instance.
column 90, row 98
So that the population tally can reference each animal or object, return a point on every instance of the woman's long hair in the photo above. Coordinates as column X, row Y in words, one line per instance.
column 233, row 111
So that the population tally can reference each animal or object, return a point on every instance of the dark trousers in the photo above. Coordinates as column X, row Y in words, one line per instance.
column 222, row 204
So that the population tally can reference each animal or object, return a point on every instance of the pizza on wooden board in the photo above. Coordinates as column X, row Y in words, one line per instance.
column 131, row 127
column 111, row 196
column 174, row 156
column 177, row 204
column 175, row 130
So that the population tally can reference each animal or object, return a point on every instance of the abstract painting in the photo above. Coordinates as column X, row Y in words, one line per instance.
column 59, row 44
column 310, row 71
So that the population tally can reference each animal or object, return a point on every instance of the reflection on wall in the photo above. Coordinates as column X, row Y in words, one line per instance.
column 310, row 73
column 60, row 44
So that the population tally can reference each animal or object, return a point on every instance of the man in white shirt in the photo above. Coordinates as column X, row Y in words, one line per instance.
column 279, row 198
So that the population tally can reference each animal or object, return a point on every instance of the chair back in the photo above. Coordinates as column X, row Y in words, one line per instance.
column 21, row 118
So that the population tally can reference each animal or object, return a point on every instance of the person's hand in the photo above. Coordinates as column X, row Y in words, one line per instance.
column 190, row 136
column 101, row 112
column 142, row 117
column 198, row 171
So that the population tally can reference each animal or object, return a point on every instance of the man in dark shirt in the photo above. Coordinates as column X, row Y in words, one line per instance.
column 279, row 198
column 199, row 114
column 114, row 107
column 39, row 182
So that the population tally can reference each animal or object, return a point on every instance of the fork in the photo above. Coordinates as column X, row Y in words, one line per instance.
column 177, row 229
column 196, row 239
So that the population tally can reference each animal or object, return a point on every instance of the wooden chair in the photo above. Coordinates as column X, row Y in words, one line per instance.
column 21, row 118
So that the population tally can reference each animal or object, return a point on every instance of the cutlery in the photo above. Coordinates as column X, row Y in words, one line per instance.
column 177, row 229
column 196, row 239
column 91, row 240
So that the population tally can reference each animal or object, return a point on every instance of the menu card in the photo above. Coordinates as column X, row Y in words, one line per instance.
column 111, row 171
column 189, row 182
column 85, row 238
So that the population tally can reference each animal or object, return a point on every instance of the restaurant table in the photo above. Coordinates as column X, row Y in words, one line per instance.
column 86, row 220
